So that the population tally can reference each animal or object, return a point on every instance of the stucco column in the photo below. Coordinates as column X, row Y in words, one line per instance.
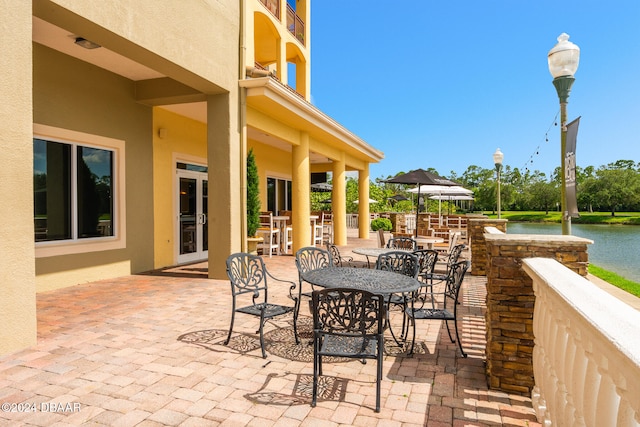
column 363, row 207
column 281, row 60
column 226, row 217
column 17, row 275
column 301, row 186
column 338, row 202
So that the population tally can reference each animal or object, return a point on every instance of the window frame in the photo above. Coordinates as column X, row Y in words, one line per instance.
column 285, row 198
column 93, row 244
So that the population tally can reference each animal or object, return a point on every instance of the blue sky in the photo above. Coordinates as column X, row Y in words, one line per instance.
column 442, row 84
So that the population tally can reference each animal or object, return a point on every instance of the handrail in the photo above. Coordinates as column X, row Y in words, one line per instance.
column 295, row 24
column 586, row 357
column 273, row 6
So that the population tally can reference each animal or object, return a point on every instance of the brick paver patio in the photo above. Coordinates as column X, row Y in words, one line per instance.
column 147, row 350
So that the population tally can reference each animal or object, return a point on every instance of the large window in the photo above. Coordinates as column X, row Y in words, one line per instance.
column 73, row 191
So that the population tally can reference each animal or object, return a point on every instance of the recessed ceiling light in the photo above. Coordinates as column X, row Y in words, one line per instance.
column 87, row 44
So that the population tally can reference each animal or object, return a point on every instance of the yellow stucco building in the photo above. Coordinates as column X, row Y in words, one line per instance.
column 125, row 128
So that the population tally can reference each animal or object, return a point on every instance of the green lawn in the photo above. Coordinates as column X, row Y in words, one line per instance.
column 627, row 285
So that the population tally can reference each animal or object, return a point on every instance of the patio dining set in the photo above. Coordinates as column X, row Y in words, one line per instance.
column 351, row 305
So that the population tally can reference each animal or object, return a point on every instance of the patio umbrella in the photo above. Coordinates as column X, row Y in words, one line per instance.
column 421, row 177
column 397, row 198
column 442, row 192
column 321, row 187
column 450, row 198
column 325, row 201
column 370, row 201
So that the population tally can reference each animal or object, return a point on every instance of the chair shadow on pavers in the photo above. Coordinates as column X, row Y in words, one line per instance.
column 279, row 342
column 213, row 339
column 330, row 388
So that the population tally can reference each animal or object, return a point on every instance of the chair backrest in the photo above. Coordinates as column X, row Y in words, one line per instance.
column 402, row 243
column 347, row 311
column 453, row 240
column 286, row 213
column 454, row 255
column 454, row 281
column 427, row 259
column 266, row 219
column 382, row 242
column 399, row 262
column 311, row 258
column 246, row 273
column 333, row 250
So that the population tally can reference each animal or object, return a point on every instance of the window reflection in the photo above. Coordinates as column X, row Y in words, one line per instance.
column 61, row 214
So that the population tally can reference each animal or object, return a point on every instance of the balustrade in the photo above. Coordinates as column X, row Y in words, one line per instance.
column 586, row 357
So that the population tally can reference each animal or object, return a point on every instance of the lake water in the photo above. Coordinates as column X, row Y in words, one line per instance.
column 616, row 247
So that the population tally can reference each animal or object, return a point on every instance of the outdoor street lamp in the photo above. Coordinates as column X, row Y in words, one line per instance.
column 563, row 64
column 497, row 159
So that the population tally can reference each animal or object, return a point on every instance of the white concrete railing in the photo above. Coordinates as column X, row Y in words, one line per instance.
column 352, row 220
column 492, row 230
column 586, row 357
column 410, row 222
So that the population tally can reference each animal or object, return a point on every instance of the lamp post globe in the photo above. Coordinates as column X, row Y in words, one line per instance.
column 498, row 156
column 563, row 61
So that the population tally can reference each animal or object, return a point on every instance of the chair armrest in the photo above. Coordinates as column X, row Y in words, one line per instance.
column 292, row 286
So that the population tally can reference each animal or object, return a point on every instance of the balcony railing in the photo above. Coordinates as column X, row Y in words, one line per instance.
column 273, row 6
column 586, row 358
column 295, row 24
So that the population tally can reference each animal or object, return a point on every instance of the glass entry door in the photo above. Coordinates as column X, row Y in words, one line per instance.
column 193, row 236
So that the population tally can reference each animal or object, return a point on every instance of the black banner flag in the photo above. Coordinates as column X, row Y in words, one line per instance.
column 570, row 168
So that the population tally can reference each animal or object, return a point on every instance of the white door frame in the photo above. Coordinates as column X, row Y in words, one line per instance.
column 198, row 220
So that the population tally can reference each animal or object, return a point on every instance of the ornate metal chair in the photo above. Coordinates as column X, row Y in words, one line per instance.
column 427, row 259
column 451, row 291
column 248, row 276
column 406, row 243
column 337, row 259
column 400, row 262
column 307, row 259
column 451, row 258
column 347, row 323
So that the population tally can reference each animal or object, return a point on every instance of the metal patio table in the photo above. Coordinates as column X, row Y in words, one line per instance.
column 377, row 281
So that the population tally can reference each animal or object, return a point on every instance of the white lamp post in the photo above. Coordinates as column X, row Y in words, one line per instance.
column 563, row 58
column 497, row 159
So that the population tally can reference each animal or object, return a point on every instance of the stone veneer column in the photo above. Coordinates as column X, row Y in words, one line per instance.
column 475, row 233
column 510, row 302
column 397, row 220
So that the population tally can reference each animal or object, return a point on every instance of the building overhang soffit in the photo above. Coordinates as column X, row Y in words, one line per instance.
column 272, row 98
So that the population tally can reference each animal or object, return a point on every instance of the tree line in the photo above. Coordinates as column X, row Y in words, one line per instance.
column 614, row 187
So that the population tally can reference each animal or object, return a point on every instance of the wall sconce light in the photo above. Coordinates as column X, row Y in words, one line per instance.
column 162, row 133
column 87, row 44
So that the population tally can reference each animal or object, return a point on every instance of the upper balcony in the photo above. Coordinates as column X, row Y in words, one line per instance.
column 295, row 24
